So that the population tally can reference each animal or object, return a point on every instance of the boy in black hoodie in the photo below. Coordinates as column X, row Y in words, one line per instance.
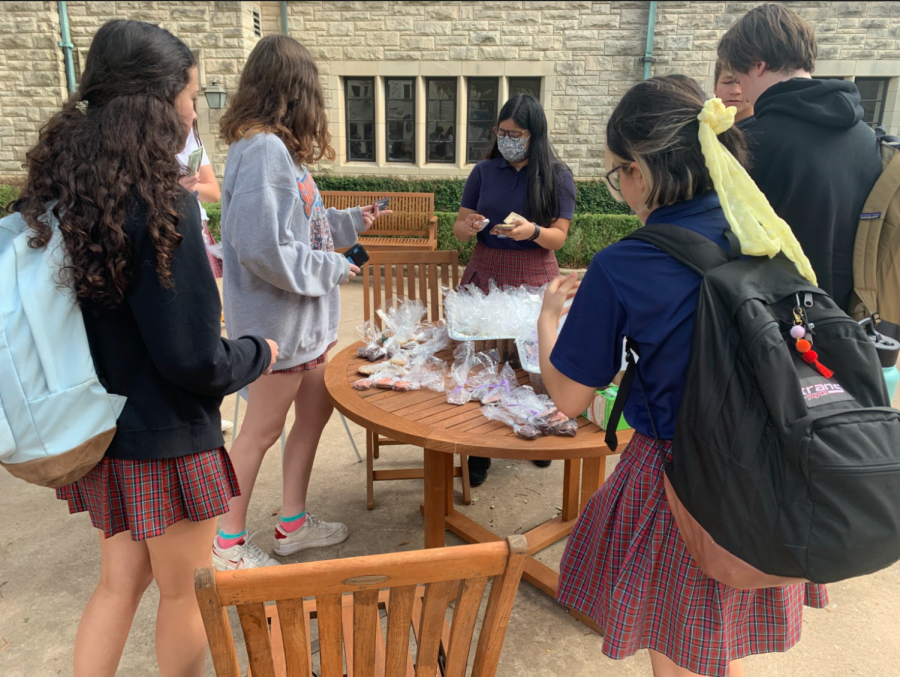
column 813, row 157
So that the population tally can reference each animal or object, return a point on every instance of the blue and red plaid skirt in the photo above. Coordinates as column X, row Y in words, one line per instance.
column 510, row 267
column 308, row 366
column 626, row 567
column 147, row 497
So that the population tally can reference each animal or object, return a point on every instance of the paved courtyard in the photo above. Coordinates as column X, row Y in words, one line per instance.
column 49, row 563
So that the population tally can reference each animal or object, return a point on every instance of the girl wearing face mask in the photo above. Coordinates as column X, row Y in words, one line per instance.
column 728, row 88
column 521, row 174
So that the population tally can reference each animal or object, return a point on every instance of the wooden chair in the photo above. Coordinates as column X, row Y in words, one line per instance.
column 389, row 277
column 345, row 597
column 412, row 226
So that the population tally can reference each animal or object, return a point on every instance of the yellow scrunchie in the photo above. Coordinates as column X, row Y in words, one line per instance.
column 760, row 230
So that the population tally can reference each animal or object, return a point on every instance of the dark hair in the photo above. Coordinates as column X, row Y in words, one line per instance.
column 655, row 125
column 543, row 163
column 718, row 73
column 770, row 33
column 114, row 141
column 280, row 93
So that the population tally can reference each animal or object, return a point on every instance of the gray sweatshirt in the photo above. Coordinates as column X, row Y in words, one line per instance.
column 281, row 273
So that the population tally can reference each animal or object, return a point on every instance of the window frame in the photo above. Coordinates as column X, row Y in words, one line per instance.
column 882, row 102
column 348, row 121
column 540, row 81
column 387, row 121
column 428, row 142
column 497, row 80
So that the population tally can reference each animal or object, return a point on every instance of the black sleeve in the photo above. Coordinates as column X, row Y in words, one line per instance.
column 181, row 326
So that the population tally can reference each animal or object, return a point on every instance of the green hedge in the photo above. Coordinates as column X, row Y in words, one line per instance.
column 592, row 196
column 7, row 195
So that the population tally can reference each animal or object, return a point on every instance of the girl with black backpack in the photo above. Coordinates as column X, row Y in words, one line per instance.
column 626, row 565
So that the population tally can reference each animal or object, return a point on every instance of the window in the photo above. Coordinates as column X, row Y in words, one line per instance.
column 257, row 23
column 873, row 92
column 440, row 119
column 525, row 86
column 400, row 104
column 360, row 96
column 482, row 116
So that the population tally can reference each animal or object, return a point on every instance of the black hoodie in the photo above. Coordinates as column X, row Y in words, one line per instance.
column 816, row 162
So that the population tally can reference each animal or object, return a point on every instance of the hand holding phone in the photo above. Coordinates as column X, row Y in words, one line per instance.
column 357, row 255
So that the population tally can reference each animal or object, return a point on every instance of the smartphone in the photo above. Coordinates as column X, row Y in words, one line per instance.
column 357, row 255
column 194, row 161
column 382, row 203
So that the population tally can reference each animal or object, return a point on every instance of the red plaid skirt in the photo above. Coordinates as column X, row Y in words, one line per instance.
column 308, row 366
column 626, row 567
column 147, row 497
column 512, row 267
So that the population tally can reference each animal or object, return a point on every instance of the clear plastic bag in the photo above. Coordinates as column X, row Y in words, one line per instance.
column 364, row 383
column 523, row 430
column 401, row 322
column 374, row 349
column 510, row 312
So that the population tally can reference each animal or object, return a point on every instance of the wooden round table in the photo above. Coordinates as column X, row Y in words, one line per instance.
column 423, row 418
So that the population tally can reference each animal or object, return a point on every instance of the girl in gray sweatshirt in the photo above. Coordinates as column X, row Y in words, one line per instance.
column 281, row 279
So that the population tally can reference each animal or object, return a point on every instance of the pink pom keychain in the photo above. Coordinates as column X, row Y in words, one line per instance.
column 804, row 345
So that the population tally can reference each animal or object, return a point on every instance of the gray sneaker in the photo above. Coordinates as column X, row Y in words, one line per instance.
column 313, row 534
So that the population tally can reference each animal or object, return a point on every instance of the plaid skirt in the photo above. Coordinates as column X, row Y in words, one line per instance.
column 512, row 267
column 308, row 366
column 147, row 497
column 626, row 567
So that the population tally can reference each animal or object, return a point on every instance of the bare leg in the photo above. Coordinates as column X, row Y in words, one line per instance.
column 665, row 667
column 125, row 574
column 270, row 398
column 312, row 410
column 180, row 636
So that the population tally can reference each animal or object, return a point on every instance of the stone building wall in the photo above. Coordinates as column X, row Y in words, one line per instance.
column 587, row 54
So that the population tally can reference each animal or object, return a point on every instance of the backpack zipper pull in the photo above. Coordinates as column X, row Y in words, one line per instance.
column 808, row 300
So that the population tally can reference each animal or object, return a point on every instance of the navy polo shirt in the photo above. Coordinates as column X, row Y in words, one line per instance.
column 634, row 289
column 495, row 188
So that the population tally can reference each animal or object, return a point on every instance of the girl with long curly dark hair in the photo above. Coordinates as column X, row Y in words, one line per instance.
column 105, row 167
column 281, row 279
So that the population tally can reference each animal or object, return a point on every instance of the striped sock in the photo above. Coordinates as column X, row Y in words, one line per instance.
column 225, row 541
column 290, row 524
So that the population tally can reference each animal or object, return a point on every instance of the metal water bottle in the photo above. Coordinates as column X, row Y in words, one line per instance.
column 888, row 350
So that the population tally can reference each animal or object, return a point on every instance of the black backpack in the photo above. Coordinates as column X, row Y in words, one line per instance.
column 794, row 473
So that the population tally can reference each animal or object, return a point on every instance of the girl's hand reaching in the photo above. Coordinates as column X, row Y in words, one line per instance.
column 557, row 293
column 273, row 347
column 369, row 215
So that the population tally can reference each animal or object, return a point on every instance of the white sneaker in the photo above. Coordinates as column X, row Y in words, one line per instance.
column 227, row 425
column 313, row 534
column 243, row 555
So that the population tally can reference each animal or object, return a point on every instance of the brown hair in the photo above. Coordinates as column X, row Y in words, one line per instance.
column 770, row 33
column 280, row 93
column 655, row 125
column 112, row 146
column 718, row 74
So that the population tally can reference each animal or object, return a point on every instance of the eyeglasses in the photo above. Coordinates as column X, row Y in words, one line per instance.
column 612, row 178
column 512, row 134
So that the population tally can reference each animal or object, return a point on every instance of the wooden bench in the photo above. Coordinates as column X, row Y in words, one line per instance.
column 412, row 226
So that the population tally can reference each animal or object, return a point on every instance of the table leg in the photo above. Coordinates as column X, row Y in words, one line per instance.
column 435, row 508
column 571, row 476
column 592, row 476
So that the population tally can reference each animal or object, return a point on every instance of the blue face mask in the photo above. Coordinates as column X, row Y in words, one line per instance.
column 513, row 150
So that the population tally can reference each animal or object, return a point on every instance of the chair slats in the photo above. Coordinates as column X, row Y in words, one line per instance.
column 295, row 637
column 467, row 604
column 398, row 662
column 434, row 610
column 365, row 626
column 256, row 637
column 328, row 611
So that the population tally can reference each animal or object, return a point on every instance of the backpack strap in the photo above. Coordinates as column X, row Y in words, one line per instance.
column 694, row 250
column 698, row 253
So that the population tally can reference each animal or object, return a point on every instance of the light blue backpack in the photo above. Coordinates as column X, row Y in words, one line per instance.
column 56, row 418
